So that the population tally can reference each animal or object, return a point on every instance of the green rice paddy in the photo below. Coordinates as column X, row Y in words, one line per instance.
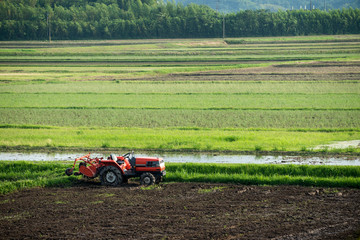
column 260, row 174
column 185, row 94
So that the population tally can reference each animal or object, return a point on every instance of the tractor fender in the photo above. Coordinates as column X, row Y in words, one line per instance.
column 105, row 163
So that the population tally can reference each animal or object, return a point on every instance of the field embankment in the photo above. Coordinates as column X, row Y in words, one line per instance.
column 17, row 175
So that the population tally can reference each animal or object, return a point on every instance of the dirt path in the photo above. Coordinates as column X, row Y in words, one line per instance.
column 181, row 211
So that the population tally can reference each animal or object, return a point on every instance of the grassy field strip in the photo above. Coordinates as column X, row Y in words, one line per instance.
column 29, row 49
column 189, row 101
column 186, row 58
column 284, row 50
column 159, row 94
column 155, row 87
column 179, row 94
column 115, row 67
column 111, row 64
column 18, row 175
column 53, row 48
column 187, row 108
column 173, row 139
column 266, row 169
column 259, row 174
column 160, row 44
column 121, row 68
column 121, row 73
column 95, row 69
column 212, row 105
column 164, row 118
column 131, row 73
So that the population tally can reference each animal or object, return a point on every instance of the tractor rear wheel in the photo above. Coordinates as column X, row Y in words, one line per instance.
column 69, row 171
column 110, row 176
column 147, row 179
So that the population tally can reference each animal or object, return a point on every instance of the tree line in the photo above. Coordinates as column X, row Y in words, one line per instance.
column 127, row 19
column 273, row 5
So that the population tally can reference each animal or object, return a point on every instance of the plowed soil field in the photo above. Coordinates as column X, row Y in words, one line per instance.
column 312, row 71
column 181, row 211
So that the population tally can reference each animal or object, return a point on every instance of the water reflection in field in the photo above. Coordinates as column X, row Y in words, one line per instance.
column 191, row 158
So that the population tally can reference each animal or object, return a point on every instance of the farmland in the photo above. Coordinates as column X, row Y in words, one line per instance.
column 250, row 94
column 181, row 210
column 204, row 207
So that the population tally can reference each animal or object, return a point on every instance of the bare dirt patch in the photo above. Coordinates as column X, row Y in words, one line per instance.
column 181, row 211
column 313, row 71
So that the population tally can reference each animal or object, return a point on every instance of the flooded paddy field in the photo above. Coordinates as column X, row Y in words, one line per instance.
column 193, row 158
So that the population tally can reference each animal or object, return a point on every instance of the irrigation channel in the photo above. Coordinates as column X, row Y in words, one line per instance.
column 192, row 158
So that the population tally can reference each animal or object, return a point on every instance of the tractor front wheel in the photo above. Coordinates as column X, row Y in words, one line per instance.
column 69, row 171
column 110, row 176
column 147, row 179
column 158, row 180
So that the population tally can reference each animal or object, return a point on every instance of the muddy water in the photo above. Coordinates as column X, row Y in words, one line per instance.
column 191, row 158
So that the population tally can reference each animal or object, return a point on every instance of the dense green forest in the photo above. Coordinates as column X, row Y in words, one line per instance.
column 124, row 19
column 274, row 5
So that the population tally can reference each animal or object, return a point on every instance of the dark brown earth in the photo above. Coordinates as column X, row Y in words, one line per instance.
column 313, row 71
column 300, row 71
column 181, row 211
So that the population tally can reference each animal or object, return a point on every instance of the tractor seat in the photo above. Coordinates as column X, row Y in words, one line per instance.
column 113, row 157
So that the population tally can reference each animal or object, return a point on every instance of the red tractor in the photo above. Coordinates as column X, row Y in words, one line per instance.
column 115, row 170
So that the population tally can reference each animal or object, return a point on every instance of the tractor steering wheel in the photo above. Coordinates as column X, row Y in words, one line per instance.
column 127, row 155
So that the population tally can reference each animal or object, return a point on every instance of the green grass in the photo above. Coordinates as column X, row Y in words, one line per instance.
column 179, row 104
column 18, row 175
column 183, row 101
column 167, row 118
column 181, row 139
column 263, row 174
column 108, row 88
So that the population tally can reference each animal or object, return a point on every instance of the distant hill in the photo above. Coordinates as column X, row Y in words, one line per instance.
column 273, row 5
